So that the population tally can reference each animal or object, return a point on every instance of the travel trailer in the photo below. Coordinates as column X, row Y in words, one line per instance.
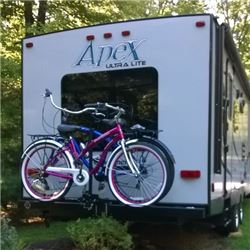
column 182, row 76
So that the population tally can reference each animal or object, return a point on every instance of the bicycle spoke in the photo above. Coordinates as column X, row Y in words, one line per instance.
column 39, row 184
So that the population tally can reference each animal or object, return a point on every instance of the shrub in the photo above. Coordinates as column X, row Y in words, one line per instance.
column 102, row 233
column 11, row 121
column 9, row 236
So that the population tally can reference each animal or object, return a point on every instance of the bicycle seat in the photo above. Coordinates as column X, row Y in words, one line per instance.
column 64, row 128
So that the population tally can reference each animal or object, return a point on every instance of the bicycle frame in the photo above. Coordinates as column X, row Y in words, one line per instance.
column 71, row 146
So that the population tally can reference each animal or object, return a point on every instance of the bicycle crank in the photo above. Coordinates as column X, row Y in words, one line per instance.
column 80, row 179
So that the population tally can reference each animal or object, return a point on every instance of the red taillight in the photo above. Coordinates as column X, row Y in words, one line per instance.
column 125, row 33
column 90, row 37
column 29, row 45
column 107, row 35
column 200, row 24
column 190, row 174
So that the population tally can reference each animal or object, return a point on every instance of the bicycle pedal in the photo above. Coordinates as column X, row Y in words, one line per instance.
column 101, row 186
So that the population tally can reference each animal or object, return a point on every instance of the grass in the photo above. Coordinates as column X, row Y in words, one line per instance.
column 241, row 239
column 39, row 232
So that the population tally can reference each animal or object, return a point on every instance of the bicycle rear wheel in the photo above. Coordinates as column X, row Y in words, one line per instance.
column 146, row 188
column 39, row 184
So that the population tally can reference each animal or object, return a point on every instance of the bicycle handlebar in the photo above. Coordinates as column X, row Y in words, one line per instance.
column 88, row 107
column 103, row 107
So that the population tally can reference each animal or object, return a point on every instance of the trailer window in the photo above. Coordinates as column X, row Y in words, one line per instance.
column 137, row 88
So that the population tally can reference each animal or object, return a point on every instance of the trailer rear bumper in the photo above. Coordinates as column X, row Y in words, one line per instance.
column 158, row 212
column 74, row 209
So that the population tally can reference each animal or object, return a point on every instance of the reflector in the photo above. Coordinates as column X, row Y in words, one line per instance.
column 107, row 35
column 29, row 45
column 125, row 33
column 200, row 24
column 90, row 37
column 190, row 174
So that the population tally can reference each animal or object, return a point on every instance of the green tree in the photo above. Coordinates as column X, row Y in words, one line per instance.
column 181, row 7
column 10, row 128
column 11, row 33
column 236, row 14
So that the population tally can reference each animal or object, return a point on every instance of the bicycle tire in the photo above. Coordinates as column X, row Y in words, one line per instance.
column 148, row 187
column 40, row 185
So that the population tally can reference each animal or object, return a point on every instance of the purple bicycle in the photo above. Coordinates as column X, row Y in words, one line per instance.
column 136, row 171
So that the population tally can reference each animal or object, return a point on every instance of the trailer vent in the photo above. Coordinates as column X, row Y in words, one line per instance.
column 190, row 174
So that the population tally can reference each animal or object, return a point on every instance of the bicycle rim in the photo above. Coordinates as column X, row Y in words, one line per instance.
column 39, row 185
column 148, row 186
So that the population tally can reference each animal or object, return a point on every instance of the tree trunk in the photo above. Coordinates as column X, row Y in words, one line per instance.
column 28, row 15
column 41, row 13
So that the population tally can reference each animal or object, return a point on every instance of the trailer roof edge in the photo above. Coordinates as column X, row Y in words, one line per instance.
column 234, row 55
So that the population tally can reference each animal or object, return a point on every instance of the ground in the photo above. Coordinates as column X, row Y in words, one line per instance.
column 195, row 236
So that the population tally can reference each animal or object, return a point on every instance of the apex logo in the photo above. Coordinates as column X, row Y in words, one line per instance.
column 101, row 55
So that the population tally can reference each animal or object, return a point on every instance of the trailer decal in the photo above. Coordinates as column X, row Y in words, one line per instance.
column 122, row 52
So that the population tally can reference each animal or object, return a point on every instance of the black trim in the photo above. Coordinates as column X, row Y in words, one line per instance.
column 224, row 126
column 210, row 111
column 152, row 213
column 158, row 213
column 218, row 99
column 63, row 210
column 22, row 131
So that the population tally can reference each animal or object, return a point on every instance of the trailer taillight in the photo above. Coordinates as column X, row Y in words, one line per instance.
column 200, row 24
column 29, row 45
column 190, row 174
column 90, row 37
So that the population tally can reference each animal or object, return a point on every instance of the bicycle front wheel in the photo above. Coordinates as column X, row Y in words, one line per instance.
column 39, row 184
column 144, row 188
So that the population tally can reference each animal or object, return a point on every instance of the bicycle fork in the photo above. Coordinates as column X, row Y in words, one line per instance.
column 129, row 159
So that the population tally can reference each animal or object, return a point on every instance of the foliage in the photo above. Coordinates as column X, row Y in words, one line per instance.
column 181, row 7
column 101, row 233
column 12, row 30
column 236, row 15
column 10, row 129
column 9, row 236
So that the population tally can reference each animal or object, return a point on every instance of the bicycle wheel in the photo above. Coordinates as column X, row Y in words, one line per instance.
column 39, row 184
column 145, row 188
column 168, row 159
